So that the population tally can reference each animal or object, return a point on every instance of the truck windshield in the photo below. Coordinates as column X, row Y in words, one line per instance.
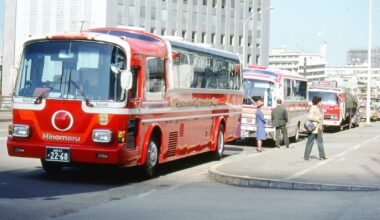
column 71, row 70
column 328, row 98
column 258, row 89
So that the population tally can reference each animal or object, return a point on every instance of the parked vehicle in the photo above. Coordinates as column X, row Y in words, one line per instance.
column 363, row 113
column 339, row 105
column 270, row 85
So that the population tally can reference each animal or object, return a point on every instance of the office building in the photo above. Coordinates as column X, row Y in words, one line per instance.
column 219, row 23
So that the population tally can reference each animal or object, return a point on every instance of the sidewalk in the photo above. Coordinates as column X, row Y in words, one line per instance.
column 353, row 164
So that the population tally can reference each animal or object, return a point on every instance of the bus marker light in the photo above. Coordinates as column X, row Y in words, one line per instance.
column 19, row 150
column 102, row 155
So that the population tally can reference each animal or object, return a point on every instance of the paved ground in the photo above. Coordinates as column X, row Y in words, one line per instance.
column 352, row 164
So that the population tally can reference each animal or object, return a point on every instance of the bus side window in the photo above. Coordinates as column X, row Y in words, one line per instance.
column 133, row 90
column 155, row 78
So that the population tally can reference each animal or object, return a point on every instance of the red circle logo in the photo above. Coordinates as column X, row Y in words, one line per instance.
column 62, row 120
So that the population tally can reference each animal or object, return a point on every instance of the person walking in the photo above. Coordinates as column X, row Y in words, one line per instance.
column 260, row 125
column 279, row 117
column 316, row 117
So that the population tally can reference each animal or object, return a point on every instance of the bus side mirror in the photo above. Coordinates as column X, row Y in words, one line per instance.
column 126, row 79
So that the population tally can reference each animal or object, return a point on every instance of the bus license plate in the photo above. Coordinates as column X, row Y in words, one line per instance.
column 57, row 154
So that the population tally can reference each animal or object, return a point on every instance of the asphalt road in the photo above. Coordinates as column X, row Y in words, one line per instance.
column 182, row 191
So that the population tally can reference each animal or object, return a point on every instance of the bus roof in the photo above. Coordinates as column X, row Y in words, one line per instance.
column 204, row 49
column 140, row 41
column 323, row 89
column 272, row 73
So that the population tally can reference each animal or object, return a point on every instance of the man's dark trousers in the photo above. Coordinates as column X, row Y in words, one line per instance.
column 284, row 132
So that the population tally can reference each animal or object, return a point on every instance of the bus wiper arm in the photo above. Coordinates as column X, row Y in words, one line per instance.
column 39, row 98
column 81, row 93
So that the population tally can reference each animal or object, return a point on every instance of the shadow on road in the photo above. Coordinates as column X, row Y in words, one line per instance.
column 33, row 183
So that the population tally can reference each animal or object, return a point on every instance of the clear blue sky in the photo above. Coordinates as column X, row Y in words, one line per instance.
column 303, row 25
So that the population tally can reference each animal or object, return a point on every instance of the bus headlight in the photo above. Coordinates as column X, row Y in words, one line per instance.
column 20, row 130
column 102, row 136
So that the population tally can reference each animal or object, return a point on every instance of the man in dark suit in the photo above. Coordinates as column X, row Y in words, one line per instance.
column 279, row 120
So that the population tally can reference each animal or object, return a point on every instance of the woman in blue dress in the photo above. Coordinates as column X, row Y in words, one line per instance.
column 260, row 126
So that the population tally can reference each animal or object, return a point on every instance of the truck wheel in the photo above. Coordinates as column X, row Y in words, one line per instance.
column 51, row 168
column 350, row 125
column 218, row 154
column 151, row 158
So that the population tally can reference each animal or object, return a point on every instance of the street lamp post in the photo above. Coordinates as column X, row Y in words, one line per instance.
column 368, row 109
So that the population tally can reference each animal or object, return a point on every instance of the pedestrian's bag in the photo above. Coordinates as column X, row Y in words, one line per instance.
column 309, row 126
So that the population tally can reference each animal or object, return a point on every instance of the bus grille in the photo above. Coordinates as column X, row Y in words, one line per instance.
column 172, row 145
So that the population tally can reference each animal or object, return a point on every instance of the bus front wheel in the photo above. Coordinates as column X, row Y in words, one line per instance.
column 151, row 159
column 218, row 154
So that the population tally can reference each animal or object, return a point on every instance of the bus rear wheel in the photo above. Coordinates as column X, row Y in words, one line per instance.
column 151, row 158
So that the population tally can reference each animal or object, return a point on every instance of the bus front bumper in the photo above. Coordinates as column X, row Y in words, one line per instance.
column 77, row 153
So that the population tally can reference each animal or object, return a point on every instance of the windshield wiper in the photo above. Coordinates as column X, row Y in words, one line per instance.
column 81, row 93
column 39, row 98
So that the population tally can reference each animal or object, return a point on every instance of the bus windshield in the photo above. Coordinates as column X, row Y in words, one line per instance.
column 328, row 98
column 258, row 89
column 69, row 69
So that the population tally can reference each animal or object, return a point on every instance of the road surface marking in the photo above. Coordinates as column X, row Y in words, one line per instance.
column 322, row 163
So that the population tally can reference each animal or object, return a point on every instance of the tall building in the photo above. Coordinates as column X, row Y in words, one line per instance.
column 25, row 18
column 219, row 23
column 359, row 57
column 311, row 65
column 215, row 22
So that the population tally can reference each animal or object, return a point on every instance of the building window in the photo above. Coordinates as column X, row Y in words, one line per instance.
column 153, row 14
column 193, row 36
column 223, row 3
column 203, row 37
column 232, row 38
column 152, row 30
column 222, row 39
column 213, row 38
column 183, row 34
column 204, row 2
column 163, row 31
column 240, row 40
column 214, row 3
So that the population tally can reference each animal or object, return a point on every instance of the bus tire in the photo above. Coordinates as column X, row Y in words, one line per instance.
column 218, row 153
column 151, row 158
column 297, row 134
column 51, row 168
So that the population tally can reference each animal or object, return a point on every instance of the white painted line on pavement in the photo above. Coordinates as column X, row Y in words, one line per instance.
column 3, row 138
column 307, row 170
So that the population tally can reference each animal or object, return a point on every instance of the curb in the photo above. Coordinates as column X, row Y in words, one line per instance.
column 252, row 182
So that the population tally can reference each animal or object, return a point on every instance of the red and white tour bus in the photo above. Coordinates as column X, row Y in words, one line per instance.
column 122, row 97
column 270, row 85
column 338, row 104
